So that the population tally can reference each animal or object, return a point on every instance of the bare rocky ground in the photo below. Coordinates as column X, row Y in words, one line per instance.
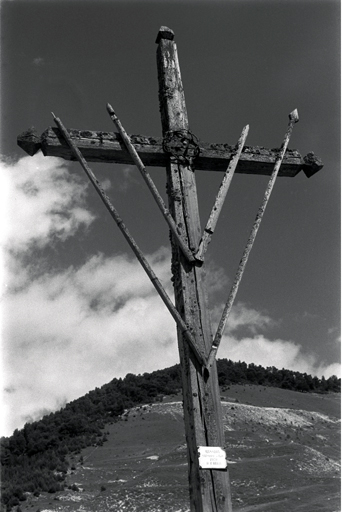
column 283, row 450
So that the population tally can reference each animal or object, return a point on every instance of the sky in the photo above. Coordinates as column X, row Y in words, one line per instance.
column 77, row 309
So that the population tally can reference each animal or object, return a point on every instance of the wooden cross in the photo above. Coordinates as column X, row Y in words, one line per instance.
column 181, row 154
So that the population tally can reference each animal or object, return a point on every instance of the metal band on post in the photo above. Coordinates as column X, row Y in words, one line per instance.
column 182, row 145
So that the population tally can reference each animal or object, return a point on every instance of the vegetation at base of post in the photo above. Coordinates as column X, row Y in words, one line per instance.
column 36, row 458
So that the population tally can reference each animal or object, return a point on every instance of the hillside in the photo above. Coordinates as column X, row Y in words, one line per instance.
column 42, row 460
column 280, row 458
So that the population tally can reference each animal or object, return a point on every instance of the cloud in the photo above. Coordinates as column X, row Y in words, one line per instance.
column 106, row 184
column 279, row 353
column 243, row 318
column 66, row 331
column 262, row 350
column 43, row 202
column 335, row 335
column 80, row 328
column 38, row 61
column 130, row 178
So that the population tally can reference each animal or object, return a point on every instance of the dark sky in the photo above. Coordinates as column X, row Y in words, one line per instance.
column 242, row 62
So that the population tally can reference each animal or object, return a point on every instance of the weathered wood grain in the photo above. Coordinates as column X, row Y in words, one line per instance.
column 97, row 146
column 150, row 183
column 241, row 268
column 220, row 198
column 209, row 489
column 138, row 253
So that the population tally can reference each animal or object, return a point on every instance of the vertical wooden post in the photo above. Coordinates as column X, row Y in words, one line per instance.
column 209, row 489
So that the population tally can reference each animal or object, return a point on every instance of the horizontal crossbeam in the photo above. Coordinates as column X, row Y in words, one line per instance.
column 109, row 148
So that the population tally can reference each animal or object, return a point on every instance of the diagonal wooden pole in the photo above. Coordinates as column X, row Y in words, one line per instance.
column 148, row 180
column 144, row 263
column 209, row 488
column 227, row 309
column 221, row 196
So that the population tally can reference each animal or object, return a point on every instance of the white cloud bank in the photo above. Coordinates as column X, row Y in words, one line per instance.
column 42, row 201
column 66, row 332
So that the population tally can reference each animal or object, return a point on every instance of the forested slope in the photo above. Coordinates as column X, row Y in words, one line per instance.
column 35, row 458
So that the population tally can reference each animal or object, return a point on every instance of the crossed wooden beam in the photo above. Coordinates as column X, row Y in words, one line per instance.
column 75, row 145
column 99, row 146
column 181, row 153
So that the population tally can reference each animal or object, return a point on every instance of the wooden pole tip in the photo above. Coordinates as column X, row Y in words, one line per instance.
column 165, row 33
column 110, row 109
column 294, row 116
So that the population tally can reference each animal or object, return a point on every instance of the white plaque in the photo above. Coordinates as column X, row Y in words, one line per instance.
column 212, row 457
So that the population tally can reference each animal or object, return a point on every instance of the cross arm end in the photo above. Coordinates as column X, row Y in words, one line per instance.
column 311, row 164
column 29, row 141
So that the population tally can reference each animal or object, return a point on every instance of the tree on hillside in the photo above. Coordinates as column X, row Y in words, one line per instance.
column 34, row 459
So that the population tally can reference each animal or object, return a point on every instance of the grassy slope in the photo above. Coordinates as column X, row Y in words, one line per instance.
column 279, row 459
